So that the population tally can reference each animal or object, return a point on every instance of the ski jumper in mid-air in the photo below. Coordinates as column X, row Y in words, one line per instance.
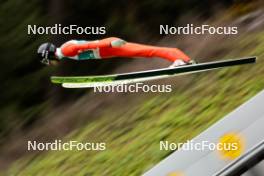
column 108, row 48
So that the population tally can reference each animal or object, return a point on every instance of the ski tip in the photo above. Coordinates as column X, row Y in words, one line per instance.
column 55, row 80
column 253, row 58
column 248, row 59
column 256, row 58
column 65, row 85
column 245, row 60
column 76, row 85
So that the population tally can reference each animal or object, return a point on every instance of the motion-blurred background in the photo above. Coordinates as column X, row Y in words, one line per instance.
column 31, row 108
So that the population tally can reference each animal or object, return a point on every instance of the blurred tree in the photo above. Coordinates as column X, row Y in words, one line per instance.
column 21, row 74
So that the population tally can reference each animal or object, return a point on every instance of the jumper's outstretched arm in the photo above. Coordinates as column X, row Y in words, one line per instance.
column 93, row 45
column 72, row 49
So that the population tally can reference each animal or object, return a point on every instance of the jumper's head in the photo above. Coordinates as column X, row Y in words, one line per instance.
column 46, row 52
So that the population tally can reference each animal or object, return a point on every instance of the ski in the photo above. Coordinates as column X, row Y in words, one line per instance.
column 125, row 78
column 112, row 83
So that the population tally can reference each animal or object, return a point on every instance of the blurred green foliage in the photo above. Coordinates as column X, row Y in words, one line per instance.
column 21, row 75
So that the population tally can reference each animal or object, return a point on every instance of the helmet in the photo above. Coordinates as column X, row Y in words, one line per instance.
column 46, row 52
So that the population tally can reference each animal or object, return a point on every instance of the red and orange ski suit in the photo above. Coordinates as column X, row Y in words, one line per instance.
column 104, row 48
